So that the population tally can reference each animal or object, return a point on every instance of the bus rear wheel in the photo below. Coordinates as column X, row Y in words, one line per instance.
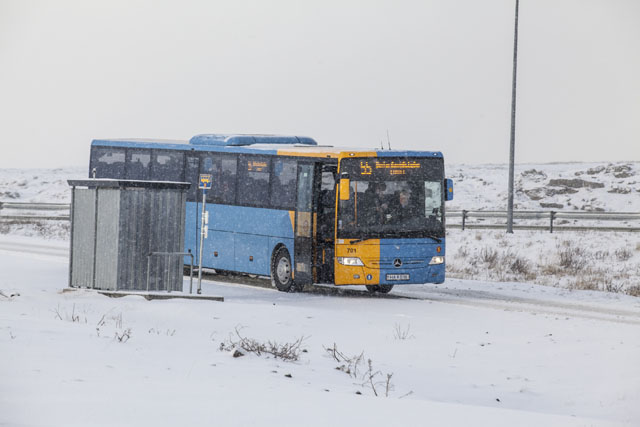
column 383, row 289
column 281, row 276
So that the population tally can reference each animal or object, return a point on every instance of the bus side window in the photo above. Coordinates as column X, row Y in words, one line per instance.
column 253, row 181
column 224, row 183
column 108, row 162
column 283, row 184
column 167, row 166
column 211, row 166
column 137, row 166
column 191, row 176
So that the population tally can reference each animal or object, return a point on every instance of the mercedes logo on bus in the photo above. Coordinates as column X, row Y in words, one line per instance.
column 397, row 262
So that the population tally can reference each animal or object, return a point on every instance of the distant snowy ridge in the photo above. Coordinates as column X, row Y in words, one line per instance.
column 569, row 186
column 611, row 187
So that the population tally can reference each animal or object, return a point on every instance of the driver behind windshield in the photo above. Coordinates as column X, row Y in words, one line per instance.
column 404, row 209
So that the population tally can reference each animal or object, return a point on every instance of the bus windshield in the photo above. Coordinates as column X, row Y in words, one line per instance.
column 392, row 198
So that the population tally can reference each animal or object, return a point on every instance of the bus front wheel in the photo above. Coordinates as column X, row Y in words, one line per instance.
column 281, row 276
column 383, row 289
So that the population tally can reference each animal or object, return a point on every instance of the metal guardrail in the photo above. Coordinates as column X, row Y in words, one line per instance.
column 464, row 215
column 63, row 208
column 550, row 216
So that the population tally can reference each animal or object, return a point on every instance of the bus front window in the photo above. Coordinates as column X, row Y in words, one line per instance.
column 392, row 208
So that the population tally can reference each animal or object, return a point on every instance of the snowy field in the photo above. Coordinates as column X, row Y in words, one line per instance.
column 463, row 353
column 531, row 340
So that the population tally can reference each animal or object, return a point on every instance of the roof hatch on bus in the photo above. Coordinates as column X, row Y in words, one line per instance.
column 239, row 140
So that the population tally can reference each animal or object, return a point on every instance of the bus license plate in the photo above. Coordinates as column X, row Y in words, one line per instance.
column 397, row 277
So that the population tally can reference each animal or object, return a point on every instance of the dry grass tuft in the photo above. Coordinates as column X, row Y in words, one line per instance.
column 623, row 254
column 634, row 291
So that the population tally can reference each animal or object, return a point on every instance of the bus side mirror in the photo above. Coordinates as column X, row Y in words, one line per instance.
column 344, row 187
column 448, row 189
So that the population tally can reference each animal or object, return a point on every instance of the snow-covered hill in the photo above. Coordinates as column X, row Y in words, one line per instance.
column 558, row 186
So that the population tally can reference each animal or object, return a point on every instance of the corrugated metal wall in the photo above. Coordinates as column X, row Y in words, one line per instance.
column 131, row 223
column 134, row 239
column 106, row 239
column 83, row 238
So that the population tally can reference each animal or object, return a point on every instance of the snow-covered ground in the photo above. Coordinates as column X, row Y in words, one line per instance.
column 463, row 353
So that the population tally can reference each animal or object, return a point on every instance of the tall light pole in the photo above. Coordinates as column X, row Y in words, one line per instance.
column 512, row 144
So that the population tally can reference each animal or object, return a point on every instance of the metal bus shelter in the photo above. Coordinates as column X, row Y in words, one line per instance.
column 127, row 235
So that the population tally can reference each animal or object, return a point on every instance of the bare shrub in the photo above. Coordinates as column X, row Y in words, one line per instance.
column 123, row 336
column 371, row 378
column 584, row 283
column 634, row 290
column 609, row 286
column 401, row 333
column 462, row 252
column 285, row 351
column 601, row 255
column 572, row 258
column 520, row 265
column 349, row 364
column 478, row 236
column 623, row 254
column 489, row 256
column 64, row 315
column 552, row 269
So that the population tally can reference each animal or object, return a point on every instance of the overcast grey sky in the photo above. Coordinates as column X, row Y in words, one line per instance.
column 435, row 73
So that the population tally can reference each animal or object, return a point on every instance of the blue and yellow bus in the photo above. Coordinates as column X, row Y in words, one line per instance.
column 299, row 212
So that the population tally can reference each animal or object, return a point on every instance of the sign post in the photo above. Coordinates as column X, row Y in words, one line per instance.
column 204, row 184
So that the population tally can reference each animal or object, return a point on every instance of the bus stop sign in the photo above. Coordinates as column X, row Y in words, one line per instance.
column 205, row 182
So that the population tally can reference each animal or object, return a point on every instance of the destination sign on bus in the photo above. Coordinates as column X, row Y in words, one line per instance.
column 391, row 168
column 256, row 166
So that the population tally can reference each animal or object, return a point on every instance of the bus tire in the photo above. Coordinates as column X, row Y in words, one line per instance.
column 383, row 289
column 281, row 270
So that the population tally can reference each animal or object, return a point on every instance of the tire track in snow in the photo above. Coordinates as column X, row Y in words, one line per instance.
column 531, row 305
column 34, row 249
column 471, row 298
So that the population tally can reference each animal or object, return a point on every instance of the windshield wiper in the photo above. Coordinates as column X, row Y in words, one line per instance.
column 393, row 235
column 351, row 242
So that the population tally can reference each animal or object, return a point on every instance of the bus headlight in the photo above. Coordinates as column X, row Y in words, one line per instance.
column 349, row 261
column 436, row 260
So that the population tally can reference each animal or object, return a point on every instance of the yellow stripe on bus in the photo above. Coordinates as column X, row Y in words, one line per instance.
column 369, row 253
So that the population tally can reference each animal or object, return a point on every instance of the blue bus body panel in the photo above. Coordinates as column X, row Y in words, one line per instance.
column 415, row 255
column 237, row 233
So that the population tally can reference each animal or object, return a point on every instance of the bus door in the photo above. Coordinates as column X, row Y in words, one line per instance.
column 304, row 227
column 325, row 229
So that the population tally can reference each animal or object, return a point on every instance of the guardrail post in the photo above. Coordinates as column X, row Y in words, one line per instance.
column 464, row 218
column 552, row 216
